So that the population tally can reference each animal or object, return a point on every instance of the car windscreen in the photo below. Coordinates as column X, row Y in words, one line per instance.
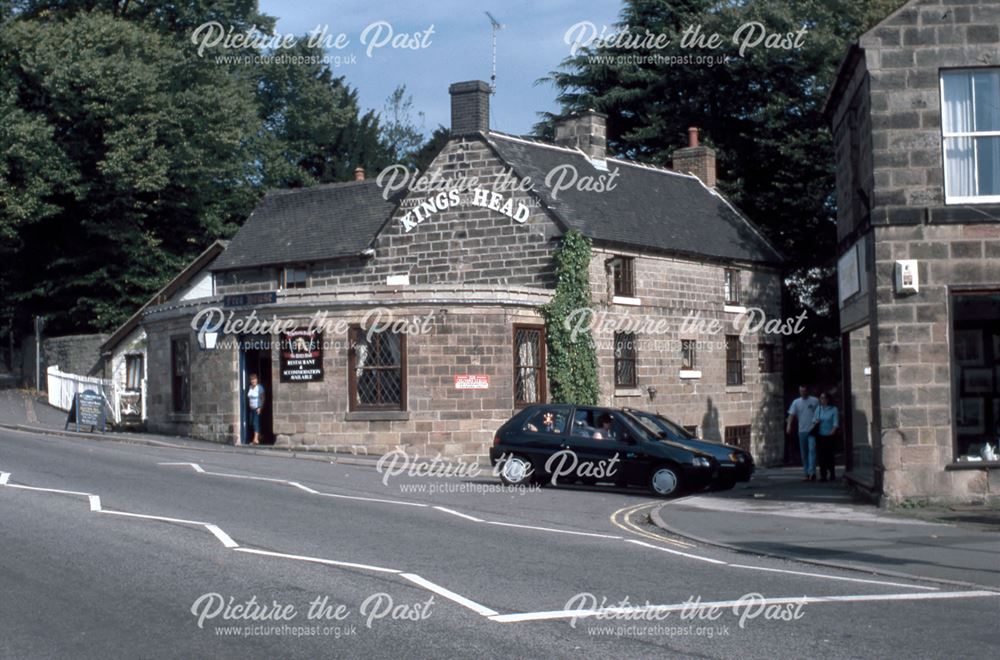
column 674, row 431
column 639, row 428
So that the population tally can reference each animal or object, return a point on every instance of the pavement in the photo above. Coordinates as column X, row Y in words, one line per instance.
column 26, row 410
column 777, row 514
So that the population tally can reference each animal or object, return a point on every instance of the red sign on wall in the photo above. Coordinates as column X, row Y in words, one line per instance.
column 472, row 382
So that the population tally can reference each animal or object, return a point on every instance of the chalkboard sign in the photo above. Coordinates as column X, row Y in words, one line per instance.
column 87, row 410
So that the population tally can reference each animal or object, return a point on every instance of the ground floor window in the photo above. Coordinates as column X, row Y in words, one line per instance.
column 180, row 375
column 738, row 436
column 133, row 372
column 975, row 373
column 625, row 359
column 377, row 370
column 529, row 365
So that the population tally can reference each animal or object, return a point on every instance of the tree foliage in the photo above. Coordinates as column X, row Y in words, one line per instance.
column 572, row 360
column 123, row 153
column 761, row 111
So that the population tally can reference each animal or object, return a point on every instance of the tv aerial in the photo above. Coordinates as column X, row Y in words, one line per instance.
column 495, row 26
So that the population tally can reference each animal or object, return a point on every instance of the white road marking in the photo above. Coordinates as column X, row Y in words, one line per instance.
column 805, row 600
column 677, row 552
column 372, row 499
column 552, row 529
column 195, row 466
column 834, row 577
column 460, row 515
column 227, row 541
column 222, row 536
column 450, row 595
column 318, row 560
column 295, row 484
column 48, row 490
column 160, row 518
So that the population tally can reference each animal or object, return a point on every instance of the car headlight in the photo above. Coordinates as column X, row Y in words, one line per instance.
column 737, row 457
column 701, row 461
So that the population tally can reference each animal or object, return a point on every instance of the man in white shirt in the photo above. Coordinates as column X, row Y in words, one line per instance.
column 803, row 409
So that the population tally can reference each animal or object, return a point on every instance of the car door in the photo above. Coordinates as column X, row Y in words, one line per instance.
column 602, row 454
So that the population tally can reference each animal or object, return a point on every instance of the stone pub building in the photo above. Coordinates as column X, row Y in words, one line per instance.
column 915, row 114
column 427, row 300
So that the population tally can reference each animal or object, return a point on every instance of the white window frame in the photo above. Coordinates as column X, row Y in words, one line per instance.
column 948, row 198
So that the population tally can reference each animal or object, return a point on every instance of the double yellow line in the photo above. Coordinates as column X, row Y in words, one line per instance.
column 626, row 525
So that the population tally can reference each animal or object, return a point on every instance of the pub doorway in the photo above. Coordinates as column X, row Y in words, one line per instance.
column 255, row 358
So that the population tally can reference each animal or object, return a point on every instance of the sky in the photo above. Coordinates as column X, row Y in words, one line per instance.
column 529, row 47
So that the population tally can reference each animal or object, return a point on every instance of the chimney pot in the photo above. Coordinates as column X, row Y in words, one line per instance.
column 693, row 136
column 359, row 174
column 470, row 107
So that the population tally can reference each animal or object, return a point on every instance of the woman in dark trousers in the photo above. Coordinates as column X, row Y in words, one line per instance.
column 825, row 424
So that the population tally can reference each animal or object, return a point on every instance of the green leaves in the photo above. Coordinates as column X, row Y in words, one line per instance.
column 572, row 361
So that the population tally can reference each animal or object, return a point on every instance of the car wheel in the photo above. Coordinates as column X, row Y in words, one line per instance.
column 664, row 481
column 516, row 471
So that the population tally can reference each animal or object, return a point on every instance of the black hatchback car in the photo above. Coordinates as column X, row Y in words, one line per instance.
column 735, row 464
column 554, row 443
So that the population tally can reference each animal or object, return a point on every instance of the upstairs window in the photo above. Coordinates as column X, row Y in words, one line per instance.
column 623, row 276
column 294, row 277
column 732, row 286
column 970, row 122
column 734, row 360
column 689, row 360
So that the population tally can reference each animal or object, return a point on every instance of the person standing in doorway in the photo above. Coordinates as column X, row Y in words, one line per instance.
column 803, row 410
column 826, row 423
column 255, row 405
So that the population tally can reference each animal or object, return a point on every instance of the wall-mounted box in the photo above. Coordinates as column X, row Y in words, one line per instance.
column 907, row 276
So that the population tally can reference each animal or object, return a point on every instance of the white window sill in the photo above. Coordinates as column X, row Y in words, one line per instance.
column 984, row 199
column 626, row 300
column 397, row 280
column 690, row 373
column 735, row 309
column 628, row 392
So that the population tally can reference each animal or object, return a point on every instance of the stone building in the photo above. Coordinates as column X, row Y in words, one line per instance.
column 408, row 313
column 123, row 353
column 915, row 114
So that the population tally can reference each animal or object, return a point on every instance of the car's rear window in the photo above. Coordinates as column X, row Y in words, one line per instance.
column 547, row 420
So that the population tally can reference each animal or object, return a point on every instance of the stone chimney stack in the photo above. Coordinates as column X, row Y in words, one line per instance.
column 470, row 107
column 695, row 159
column 359, row 173
column 586, row 131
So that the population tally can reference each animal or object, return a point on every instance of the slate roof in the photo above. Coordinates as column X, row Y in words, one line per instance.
column 649, row 206
column 309, row 224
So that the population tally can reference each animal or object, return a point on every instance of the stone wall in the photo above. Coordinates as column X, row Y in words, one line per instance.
column 895, row 74
column 75, row 354
column 462, row 339
column 914, row 351
column 669, row 290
